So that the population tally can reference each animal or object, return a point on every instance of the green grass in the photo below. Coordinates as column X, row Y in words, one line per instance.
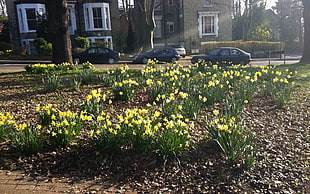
column 302, row 78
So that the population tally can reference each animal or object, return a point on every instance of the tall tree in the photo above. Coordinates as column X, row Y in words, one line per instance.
column 58, row 17
column 127, row 6
column 3, row 8
column 306, row 51
column 289, row 13
column 145, row 23
column 246, row 18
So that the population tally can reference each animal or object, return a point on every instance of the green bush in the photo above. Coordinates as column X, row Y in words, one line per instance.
column 249, row 46
column 46, row 49
column 105, row 44
column 39, row 42
column 43, row 47
column 5, row 46
column 82, row 42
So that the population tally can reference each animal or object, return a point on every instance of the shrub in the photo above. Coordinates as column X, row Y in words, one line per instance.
column 4, row 46
column 43, row 47
column 39, row 42
column 249, row 46
column 82, row 42
column 105, row 44
column 46, row 49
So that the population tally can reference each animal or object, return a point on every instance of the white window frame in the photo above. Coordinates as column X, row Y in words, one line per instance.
column 88, row 16
column 28, row 44
column 170, row 25
column 72, row 26
column 22, row 17
column 215, row 24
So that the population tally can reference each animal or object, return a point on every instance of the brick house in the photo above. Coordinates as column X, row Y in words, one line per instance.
column 192, row 23
column 97, row 20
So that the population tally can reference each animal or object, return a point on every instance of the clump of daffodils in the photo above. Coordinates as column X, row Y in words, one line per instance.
column 141, row 130
column 6, row 125
column 95, row 102
column 124, row 90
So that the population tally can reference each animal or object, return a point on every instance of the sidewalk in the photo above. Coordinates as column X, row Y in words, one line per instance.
column 16, row 183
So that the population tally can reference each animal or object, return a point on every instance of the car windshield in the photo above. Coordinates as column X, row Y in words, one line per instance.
column 152, row 51
column 214, row 52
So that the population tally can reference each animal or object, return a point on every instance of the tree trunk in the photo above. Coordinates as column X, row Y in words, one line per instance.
column 145, row 23
column 58, row 17
column 306, row 52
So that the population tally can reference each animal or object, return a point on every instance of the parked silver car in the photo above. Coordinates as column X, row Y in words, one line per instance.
column 180, row 49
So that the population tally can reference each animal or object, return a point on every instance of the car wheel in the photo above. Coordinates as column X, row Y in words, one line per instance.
column 111, row 60
column 76, row 60
column 194, row 61
column 242, row 62
column 173, row 59
column 145, row 60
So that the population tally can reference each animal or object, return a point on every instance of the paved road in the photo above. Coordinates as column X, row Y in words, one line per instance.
column 18, row 65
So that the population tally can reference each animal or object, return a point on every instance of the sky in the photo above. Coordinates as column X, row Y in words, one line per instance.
column 270, row 3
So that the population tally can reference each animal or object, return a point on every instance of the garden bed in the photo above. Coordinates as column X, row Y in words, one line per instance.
column 280, row 147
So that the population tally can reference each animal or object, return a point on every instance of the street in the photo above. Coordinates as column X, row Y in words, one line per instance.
column 18, row 65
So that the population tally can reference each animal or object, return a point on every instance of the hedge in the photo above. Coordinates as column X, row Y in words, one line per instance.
column 249, row 46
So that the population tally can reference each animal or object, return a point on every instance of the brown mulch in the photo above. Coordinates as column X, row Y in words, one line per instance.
column 282, row 155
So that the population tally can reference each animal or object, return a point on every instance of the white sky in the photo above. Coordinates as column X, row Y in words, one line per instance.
column 270, row 3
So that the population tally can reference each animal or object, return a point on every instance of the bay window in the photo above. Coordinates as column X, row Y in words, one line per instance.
column 28, row 16
column 97, row 16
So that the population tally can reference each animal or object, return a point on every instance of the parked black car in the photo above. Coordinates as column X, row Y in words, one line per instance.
column 165, row 54
column 97, row 55
column 224, row 56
